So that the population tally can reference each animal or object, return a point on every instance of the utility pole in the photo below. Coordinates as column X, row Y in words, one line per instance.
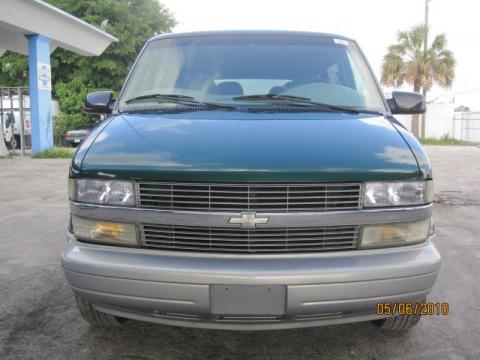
column 425, row 48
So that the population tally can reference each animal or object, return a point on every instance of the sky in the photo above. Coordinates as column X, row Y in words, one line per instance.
column 373, row 23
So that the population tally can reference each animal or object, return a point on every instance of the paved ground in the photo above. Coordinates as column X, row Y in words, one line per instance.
column 38, row 319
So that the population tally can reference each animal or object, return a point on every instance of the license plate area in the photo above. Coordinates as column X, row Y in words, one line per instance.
column 245, row 300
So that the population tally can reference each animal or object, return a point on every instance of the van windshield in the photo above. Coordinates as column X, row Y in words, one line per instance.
column 222, row 69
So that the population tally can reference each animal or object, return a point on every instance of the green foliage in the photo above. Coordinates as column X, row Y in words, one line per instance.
column 13, row 69
column 73, row 75
column 444, row 140
column 131, row 21
column 63, row 122
column 54, row 153
column 71, row 95
column 406, row 61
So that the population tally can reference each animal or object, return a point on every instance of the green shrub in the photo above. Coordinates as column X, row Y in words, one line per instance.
column 63, row 122
column 54, row 153
column 444, row 140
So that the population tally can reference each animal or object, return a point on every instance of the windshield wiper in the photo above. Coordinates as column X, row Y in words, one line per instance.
column 178, row 99
column 295, row 100
column 173, row 97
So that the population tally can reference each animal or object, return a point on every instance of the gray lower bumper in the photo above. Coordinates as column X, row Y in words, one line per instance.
column 321, row 289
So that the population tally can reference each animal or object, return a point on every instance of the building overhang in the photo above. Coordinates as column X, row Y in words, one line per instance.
column 20, row 18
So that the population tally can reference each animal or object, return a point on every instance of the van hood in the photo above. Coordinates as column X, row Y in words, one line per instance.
column 246, row 147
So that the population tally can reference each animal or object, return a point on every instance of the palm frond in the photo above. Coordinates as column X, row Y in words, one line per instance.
column 439, row 42
column 406, row 61
column 417, row 35
column 393, row 71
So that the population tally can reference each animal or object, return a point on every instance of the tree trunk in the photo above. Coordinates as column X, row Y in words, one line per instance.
column 424, row 116
column 416, row 118
column 415, row 125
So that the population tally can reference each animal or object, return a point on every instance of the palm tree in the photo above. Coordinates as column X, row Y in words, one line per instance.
column 406, row 61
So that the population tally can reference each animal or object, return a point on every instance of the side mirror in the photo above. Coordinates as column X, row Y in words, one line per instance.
column 99, row 102
column 407, row 103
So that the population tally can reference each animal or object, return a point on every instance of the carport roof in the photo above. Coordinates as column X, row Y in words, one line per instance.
column 19, row 18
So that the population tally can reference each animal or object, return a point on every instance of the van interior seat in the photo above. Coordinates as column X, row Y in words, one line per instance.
column 229, row 88
column 277, row 90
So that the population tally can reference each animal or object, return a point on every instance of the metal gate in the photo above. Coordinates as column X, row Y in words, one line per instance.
column 15, row 117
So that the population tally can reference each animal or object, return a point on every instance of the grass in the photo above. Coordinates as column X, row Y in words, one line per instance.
column 54, row 153
column 444, row 140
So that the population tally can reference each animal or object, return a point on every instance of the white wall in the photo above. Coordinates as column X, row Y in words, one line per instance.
column 439, row 120
column 406, row 120
column 55, row 107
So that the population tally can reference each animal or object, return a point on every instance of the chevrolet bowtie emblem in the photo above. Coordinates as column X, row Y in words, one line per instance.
column 248, row 220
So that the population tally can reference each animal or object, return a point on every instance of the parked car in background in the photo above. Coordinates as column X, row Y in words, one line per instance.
column 75, row 136
column 251, row 180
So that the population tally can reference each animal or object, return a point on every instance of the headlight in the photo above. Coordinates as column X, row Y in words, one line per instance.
column 375, row 236
column 104, row 231
column 108, row 192
column 398, row 193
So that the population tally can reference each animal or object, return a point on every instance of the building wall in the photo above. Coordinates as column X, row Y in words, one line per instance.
column 439, row 120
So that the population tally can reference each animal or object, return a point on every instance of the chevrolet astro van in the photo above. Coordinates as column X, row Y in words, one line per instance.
column 250, row 180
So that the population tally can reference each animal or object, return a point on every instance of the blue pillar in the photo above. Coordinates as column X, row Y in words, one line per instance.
column 40, row 92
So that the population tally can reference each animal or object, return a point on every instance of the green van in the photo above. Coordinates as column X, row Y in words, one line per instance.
column 251, row 180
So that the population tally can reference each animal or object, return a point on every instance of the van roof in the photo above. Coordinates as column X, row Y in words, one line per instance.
column 247, row 32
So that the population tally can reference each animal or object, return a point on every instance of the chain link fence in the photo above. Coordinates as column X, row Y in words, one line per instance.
column 466, row 126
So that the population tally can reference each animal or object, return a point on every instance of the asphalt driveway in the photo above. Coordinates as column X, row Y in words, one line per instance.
column 38, row 318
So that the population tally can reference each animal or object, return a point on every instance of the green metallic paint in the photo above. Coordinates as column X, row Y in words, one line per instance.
column 417, row 149
column 85, row 146
column 221, row 146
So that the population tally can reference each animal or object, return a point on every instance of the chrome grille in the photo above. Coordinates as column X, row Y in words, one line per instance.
column 249, row 197
column 238, row 240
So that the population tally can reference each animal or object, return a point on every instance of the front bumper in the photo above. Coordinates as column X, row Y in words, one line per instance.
column 321, row 289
